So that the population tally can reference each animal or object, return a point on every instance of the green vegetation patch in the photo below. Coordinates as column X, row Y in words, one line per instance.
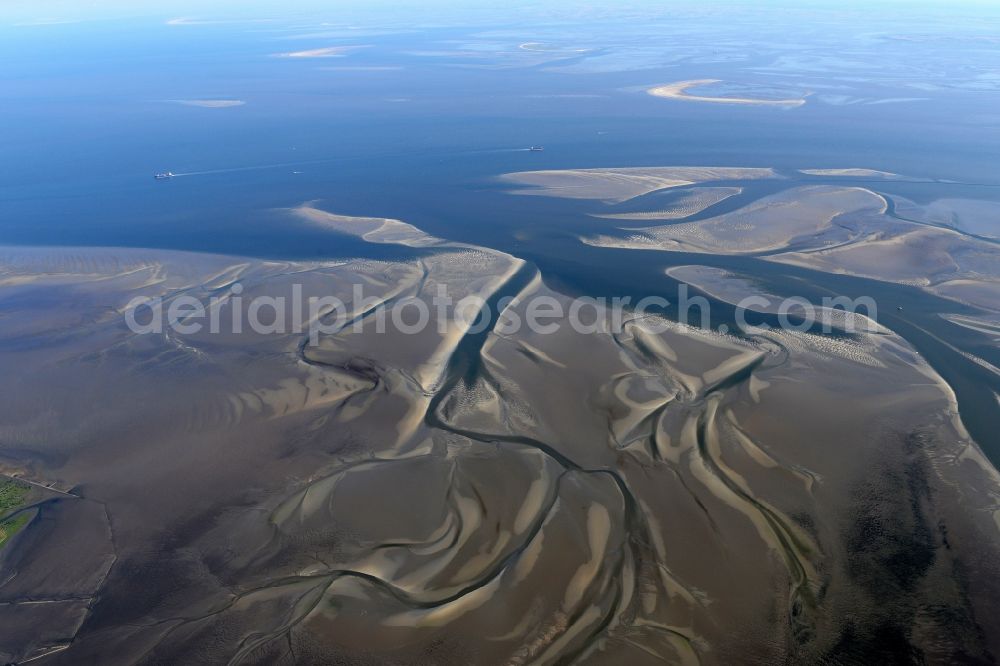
column 11, row 526
column 12, row 494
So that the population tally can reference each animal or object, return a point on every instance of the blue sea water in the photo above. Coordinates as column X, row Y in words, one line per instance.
column 418, row 122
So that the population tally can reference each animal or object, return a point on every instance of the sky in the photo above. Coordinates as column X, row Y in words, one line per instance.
column 44, row 11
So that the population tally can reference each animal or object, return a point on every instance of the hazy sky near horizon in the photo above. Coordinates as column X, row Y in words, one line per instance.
column 40, row 12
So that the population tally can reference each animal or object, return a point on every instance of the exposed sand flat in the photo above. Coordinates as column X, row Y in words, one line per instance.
column 945, row 247
column 382, row 230
column 679, row 90
column 851, row 173
column 990, row 327
column 515, row 497
column 209, row 103
column 109, row 276
column 970, row 216
column 976, row 292
column 945, row 261
column 621, row 184
column 421, row 357
column 772, row 223
column 916, row 255
column 722, row 284
column 737, row 288
column 371, row 229
column 689, row 204
column 325, row 52
column 744, row 467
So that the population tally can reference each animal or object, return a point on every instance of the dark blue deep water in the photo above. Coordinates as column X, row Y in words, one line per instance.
column 419, row 121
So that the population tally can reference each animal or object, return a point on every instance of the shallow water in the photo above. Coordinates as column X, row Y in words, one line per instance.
column 418, row 124
column 474, row 498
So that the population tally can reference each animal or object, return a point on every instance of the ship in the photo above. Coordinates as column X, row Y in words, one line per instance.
column 163, row 176
column 536, row 149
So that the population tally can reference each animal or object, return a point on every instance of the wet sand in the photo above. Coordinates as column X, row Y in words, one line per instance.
column 850, row 173
column 461, row 495
column 692, row 202
column 623, row 184
column 771, row 224
column 945, row 247
column 679, row 90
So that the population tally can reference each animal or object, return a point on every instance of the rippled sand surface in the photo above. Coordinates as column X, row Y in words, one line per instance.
column 623, row 184
column 658, row 494
column 947, row 247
